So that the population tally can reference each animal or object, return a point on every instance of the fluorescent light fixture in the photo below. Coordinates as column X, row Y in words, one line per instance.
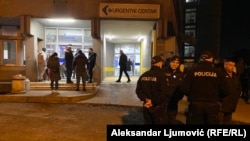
column 140, row 38
column 62, row 20
column 109, row 37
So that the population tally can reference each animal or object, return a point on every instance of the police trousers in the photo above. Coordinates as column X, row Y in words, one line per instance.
column 200, row 112
column 155, row 115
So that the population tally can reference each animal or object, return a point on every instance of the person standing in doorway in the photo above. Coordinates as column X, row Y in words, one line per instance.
column 129, row 65
column 69, row 57
column 91, row 64
column 54, row 67
column 123, row 66
column 79, row 66
column 42, row 58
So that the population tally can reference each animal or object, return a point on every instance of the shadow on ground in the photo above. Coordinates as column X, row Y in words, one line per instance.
column 135, row 117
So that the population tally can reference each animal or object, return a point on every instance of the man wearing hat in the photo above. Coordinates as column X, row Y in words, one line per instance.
column 151, row 89
column 174, row 79
column 204, row 87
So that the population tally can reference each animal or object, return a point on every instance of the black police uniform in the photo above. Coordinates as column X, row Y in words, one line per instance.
column 152, row 85
column 204, row 86
column 174, row 79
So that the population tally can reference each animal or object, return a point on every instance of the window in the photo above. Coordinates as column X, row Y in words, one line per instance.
column 190, row 32
column 57, row 39
column 190, row 17
column 50, row 34
column 87, row 36
column 188, row 1
column 70, row 36
column 8, row 53
column 189, row 51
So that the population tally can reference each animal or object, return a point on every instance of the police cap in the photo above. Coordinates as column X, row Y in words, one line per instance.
column 206, row 54
column 156, row 59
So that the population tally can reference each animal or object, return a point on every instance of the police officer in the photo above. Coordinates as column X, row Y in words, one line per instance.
column 204, row 87
column 229, row 102
column 174, row 79
column 151, row 89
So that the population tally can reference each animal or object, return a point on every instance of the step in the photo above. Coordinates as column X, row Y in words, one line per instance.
column 62, row 86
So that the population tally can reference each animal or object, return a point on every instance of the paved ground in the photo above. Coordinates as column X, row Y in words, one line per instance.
column 85, row 120
column 61, row 122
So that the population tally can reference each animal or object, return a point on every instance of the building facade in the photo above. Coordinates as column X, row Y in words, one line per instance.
column 202, row 28
column 22, row 35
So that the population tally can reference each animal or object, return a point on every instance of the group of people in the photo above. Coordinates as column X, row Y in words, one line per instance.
column 79, row 63
column 212, row 93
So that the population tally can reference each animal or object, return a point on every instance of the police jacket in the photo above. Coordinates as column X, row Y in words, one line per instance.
column 152, row 85
column 229, row 102
column 204, row 83
column 174, row 79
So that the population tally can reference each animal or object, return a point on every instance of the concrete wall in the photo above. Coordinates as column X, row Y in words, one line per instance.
column 146, row 54
column 109, row 60
column 78, row 9
column 37, row 29
column 97, row 47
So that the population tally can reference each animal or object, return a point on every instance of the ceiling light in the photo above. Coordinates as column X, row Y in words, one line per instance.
column 62, row 20
column 110, row 37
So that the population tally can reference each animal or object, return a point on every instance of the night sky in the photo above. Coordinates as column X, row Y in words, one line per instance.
column 235, row 27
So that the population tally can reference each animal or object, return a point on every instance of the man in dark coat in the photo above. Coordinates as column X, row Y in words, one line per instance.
column 79, row 65
column 229, row 102
column 174, row 79
column 91, row 64
column 69, row 57
column 123, row 66
column 54, row 67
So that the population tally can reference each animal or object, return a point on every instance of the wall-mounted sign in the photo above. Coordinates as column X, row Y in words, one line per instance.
column 145, row 11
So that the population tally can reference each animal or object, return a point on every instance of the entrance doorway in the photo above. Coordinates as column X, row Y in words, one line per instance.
column 133, row 37
column 133, row 53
